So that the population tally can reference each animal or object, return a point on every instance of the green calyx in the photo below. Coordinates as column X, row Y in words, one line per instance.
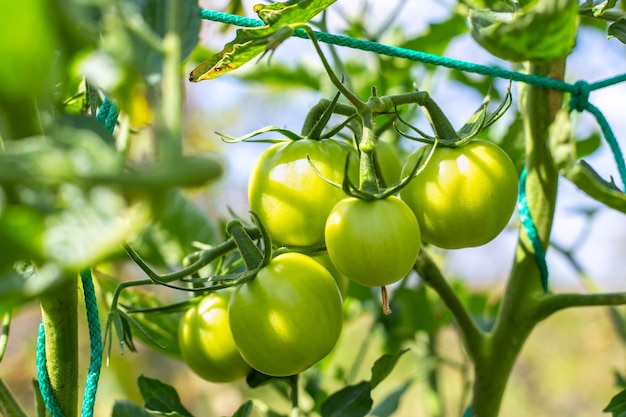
column 480, row 120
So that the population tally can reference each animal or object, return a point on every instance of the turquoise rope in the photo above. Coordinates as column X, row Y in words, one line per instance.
column 531, row 231
column 45, row 388
column 107, row 115
column 95, row 339
column 579, row 91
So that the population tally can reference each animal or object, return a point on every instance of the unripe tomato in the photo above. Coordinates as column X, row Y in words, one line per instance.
column 288, row 317
column 375, row 242
column 206, row 342
column 465, row 196
column 290, row 198
column 388, row 160
column 342, row 281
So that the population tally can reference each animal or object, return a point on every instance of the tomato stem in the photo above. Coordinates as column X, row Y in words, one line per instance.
column 295, row 406
column 385, row 300
column 250, row 253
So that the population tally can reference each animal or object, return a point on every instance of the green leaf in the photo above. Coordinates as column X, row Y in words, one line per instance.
column 411, row 311
column 19, row 287
column 177, row 222
column 125, row 408
column 160, row 397
column 383, row 367
column 9, row 406
column 617, row 30
column 280, row 19
column 588, row 145
column 390, row 404
column 159, row 331
column 351, row 401
column 244, row 409
column 617, row 405
column 437, row 37
column 149, row 19
column 599, row 9
column 544, row 30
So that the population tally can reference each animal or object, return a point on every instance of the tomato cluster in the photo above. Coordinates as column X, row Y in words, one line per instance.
column 289, row 316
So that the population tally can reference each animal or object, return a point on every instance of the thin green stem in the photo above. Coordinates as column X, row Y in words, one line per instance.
column 294, row 394
column 9, row 407
column 4, row 336
column 59, row 309
column 473, row 336
column 169, row 120
column 367, row 173
column 356, row 102
column 557, row 302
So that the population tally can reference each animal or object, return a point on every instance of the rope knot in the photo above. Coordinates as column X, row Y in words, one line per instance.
column 580, row 96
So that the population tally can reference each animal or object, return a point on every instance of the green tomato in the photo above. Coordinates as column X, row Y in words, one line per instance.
column 374, row 243
column 206, row 342
column 288, row 317
column 465, row 196
column 342, row 281
column 388, row 162
column 290, row 198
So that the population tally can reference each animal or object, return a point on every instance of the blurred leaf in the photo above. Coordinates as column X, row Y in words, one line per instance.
column 389, row 405
column 148, row 20
column 544, row 30
column 437, row 37
column 27, row 58
column 125, row 408
column 619, row 323
column 244, row 409
column 161, row 398
column 617, row 405
column 410, row 312
column 20, row 286
column 9, row 406
column 21, row 229
column 383, row 367
column 177, row 222
column 589, row 145
column 280, row 18
column 617, row 30
column 279, row 74
column 350, row 401
column 479, row 304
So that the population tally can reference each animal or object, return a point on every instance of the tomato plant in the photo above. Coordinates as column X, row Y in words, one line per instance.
column 289, row 197
column 288, row 317
column 206, row 342
column 465, row 196
column 374, row 243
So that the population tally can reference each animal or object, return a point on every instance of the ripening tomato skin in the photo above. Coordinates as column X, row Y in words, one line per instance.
column 465, row 196
column 288, row 317
column 374, row 243
column 290, row 198
column 340, row 279
column 206, row 341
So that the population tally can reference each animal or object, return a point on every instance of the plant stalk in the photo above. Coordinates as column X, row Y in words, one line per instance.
column 518, row 312
column 60, row 317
